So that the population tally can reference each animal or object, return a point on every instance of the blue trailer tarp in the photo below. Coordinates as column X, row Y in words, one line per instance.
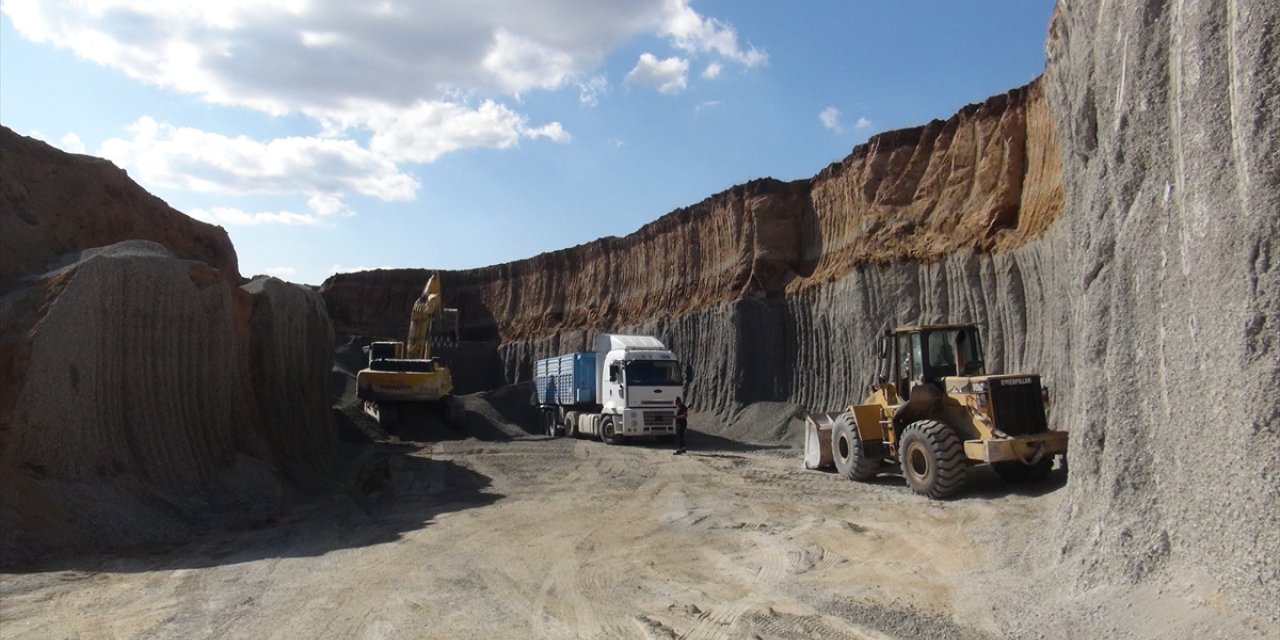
column 566, row 380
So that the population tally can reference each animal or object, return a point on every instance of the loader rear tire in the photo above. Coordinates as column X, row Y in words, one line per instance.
column 932, row 458
column 847, row 450
column 1019, row 473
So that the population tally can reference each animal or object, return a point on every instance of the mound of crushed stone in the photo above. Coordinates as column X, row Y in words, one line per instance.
column 757, row 423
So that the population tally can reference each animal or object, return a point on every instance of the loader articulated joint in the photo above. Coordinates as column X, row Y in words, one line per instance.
column 1037, row 453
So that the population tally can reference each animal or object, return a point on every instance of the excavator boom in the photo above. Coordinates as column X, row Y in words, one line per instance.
column 426, row 310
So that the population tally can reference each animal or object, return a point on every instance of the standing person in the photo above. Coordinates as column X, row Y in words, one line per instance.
column 682, row 423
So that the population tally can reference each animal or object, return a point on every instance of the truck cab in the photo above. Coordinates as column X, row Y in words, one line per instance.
column 639, row 383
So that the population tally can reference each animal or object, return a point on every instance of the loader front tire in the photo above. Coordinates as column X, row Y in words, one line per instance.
column 847, row 451
column 932, row 458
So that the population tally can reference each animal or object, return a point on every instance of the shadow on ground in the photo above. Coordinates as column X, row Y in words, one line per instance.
column 982, row 483
column 386, row 491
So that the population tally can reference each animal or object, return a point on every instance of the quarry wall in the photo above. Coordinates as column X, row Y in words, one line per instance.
column 146, row 395
column 758, row 286
column 1111, row 226
column 1168, row 116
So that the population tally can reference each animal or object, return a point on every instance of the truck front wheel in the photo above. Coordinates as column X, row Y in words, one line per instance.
column 608, row 433
column 932, row 459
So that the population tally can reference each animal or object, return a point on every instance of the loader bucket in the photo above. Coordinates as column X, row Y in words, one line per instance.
column 817, row 439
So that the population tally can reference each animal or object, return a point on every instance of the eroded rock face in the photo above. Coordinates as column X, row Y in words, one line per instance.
column 1149, row 301
column 152, row 399
column 53, row 203
column 1170, row 122
column 990, row 172
column 145, row 394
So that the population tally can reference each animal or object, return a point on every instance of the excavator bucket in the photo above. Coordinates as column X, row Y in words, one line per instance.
column 817, row 439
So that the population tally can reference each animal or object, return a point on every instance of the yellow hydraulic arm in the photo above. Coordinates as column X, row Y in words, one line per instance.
column 426, row 309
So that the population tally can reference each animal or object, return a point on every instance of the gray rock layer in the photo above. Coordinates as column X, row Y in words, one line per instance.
column 1167, row 114
column 151, row 398
column 1150, row 304
column 1151, row 307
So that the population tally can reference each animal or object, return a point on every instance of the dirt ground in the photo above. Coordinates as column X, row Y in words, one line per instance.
column 534, row 537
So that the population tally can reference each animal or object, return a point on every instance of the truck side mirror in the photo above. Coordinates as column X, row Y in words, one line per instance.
column 613, row 373
column 688, row 373
column 884, row 347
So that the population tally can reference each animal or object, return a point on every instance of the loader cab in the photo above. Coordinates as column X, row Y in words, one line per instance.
column 930, row 353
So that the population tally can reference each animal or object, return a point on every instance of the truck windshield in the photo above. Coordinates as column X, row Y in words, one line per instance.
column 653, row 372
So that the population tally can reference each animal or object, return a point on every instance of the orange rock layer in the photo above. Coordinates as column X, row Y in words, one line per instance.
column 986, row 179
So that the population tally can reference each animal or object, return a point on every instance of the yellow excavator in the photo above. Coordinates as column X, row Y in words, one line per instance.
column 403, row 377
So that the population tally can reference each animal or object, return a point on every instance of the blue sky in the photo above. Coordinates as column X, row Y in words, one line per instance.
column 327, row 135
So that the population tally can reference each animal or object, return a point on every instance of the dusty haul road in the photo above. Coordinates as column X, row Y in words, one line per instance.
column 560, row 538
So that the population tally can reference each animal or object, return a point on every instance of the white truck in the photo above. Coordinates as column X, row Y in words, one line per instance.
column 626, row 388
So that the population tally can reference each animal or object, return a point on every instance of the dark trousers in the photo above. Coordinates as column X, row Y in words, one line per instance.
column 680, row 428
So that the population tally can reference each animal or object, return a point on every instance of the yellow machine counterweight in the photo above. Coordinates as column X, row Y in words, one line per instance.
column 403, row 376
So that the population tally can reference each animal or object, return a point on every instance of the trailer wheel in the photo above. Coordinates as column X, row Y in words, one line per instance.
column 847, row 450
column 608, row 433
column 571, row 424
column 549, row 422
column 1016, row 472
column 932, row 458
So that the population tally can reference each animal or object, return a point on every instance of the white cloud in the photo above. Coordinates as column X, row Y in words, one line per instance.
column 326, row 204
column 186, row 158
column 280, row 272
column 830, row 118
column 520, row 64
column 429, row 130
column 417, row 80
column 553, row 132
column 862, row 123
column 694, row 34
column 668, row 76
column 235, row 217
column 590, row 90
column 71, row 142
column 333, row 61
column 339, row 268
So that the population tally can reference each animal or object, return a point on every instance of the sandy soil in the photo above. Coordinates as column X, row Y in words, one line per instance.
column 558, row 538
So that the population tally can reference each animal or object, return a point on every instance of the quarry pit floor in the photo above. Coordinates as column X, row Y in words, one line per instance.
column 559, row 538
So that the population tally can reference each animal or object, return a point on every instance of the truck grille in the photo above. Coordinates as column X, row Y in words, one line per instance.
column 1017, row 406
column 659, row 418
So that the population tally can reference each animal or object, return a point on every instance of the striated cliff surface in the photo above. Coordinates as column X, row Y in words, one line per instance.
column 145, row 395
column 984, row 181
column 1146, row 291
column 1170, row 122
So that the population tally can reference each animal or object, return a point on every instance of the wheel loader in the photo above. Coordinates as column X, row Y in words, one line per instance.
column 935, row 411
column 402, row 378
